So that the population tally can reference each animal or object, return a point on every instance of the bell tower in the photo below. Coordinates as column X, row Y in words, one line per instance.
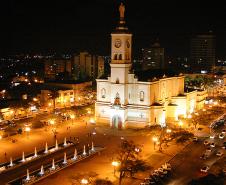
column 121, row 43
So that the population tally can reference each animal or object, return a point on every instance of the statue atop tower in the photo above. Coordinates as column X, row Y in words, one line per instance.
column 122, row 11
column 121, row 27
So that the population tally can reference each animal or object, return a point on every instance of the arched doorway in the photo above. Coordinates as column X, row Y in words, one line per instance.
column 116, row 122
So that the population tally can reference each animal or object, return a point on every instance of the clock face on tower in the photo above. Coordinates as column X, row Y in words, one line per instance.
column 127, row 44
column 117, row 43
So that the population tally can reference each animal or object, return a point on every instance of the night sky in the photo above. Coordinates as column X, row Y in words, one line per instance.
column 74, row 25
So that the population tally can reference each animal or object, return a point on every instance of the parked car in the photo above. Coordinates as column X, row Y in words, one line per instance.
column 219, row 153
column 203, row 156
column 208, row 149
column 206, row 143
column 195, row 139
column 223, row 131
column 205, row 169
column 221, row 136
column 212, row 145
column 212, row 136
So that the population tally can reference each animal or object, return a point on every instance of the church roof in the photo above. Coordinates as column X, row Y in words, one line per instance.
column 154, row 74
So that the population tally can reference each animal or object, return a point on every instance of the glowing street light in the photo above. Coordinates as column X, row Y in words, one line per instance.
column 168, row 131
column 115, row 164
column 180, row 123
column 137, row 150
column 84, row 181
column 92, row 120
column 27, row 129
column 72, row 117
column 215, row 103
column 52, row 122
column 35, row 99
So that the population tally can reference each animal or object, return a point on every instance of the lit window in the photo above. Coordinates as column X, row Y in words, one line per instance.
column 103, row 93
column 141, row 95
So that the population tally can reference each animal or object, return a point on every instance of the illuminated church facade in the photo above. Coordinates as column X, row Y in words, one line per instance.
column 123, row 100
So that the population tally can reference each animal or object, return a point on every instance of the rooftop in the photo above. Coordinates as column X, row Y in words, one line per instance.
column 155, row 74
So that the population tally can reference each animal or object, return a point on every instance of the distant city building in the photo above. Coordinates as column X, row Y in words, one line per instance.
column 87, row 65
column 153, row 57
column 56, row 67
column 203, row 52
column 178, row 63
column 80, row 67
column 63, row 98
column 63, row 95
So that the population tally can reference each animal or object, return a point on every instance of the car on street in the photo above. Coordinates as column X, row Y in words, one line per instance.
column 204, row 169
column 212, row 145
column 203, row 156
column 208, row 149
column 212, row 136
column 221, row 136
column 195, row 139
column 206, row 143
column 219, row 153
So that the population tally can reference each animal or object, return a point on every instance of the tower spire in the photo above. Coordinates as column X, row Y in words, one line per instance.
column 122, row 23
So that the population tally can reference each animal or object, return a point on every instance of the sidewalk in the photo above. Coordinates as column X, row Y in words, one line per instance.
column 37, row 138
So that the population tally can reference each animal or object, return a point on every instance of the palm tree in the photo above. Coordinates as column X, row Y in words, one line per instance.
column 54, row 95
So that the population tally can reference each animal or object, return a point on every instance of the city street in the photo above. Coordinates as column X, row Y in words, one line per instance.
column 188, row 163
column 100, row 166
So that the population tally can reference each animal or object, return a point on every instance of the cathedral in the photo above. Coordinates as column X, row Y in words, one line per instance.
column 124, row 100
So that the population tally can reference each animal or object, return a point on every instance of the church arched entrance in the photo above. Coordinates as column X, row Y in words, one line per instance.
column 116, row 122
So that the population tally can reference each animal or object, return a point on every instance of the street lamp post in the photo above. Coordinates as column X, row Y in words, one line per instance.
column 115, row 164
column 180, row 124
column 154, row 139
column 72, row 117
column 27, row 129
column 52, row 123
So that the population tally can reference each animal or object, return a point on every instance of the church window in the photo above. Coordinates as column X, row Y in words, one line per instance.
column 129, row 95
column 103, row 93
column 141, row 95
column 117, row 81
column 115, row 57
column 120, row 57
